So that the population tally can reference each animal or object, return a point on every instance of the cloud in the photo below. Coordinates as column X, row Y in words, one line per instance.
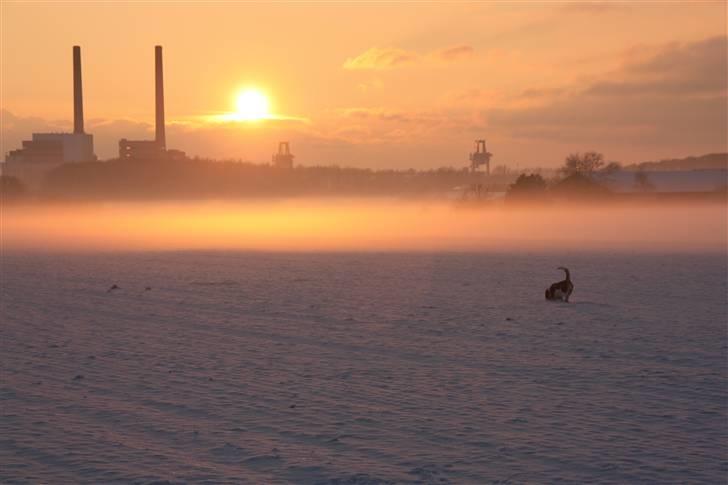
column 234, row 117
column 106, row 133
column 381, row 58
column 373, row 137
column 378, row 114
column 364, row 137
column 666, row 102
column 383, row 115
column 454, row 53
column 373, row 85
column 674, row 100
column 377, row 58
column 676, row 70
column 542, row 92
column 593, row 7
column 14, row 127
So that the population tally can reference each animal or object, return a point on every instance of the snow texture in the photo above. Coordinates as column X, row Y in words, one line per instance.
column 362, row 368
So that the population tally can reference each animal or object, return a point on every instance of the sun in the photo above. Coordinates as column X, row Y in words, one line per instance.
column 252, row 105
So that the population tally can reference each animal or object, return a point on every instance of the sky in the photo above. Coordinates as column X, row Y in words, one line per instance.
column 380, row 85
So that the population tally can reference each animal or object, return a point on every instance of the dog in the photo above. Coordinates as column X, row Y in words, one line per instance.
column 561, row 290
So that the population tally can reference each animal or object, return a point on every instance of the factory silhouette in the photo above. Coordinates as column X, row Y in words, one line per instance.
column 64, row 166
column 152, row 149
column 47, row 150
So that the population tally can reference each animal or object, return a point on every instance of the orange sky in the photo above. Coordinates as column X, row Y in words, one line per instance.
column 381, row 85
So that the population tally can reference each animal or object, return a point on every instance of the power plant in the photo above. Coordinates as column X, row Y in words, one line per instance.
column 152, row 149
column 45, row 151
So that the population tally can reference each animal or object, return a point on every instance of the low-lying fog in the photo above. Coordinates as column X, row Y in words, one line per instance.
column 360, row 225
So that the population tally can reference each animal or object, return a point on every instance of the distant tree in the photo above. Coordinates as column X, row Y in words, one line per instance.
column 527, row 187
column 11, row 188
column 579, row 186
column 205, row 178
column 582, row 163
column 611, row 168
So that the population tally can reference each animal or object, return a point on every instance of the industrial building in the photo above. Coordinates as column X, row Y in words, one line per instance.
column 284, row 157
column 152, row 149
column 46, row 151
column 480, row 156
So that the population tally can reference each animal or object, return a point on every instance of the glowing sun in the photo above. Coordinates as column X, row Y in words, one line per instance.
column 252, row 105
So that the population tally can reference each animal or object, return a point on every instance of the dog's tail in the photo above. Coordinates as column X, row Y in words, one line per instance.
column 566, row 270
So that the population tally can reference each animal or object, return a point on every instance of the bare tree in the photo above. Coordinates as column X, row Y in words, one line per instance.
column 583, row 164
column 611, row 168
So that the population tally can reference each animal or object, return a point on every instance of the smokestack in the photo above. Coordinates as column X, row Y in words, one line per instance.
column 77, row 91
column 159, row 97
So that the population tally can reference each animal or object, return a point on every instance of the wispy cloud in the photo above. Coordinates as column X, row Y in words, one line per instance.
column 674, row 99
column 594, row 7
column 381, row 58
column 454, row 53
column 372, row 85
column 377, row 58
column 239, row 118
column 694, row 69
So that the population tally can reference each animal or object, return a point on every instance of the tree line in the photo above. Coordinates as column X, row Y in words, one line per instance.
column 205, row 178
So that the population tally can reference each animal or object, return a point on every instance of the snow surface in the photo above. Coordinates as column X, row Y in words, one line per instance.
column 362, row 368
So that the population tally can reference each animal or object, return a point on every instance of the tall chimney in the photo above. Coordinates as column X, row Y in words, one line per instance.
column 77, row 91
column 159, row 97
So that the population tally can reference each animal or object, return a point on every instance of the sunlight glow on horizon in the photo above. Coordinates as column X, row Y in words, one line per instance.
column 252, row 105
column 428, row 81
